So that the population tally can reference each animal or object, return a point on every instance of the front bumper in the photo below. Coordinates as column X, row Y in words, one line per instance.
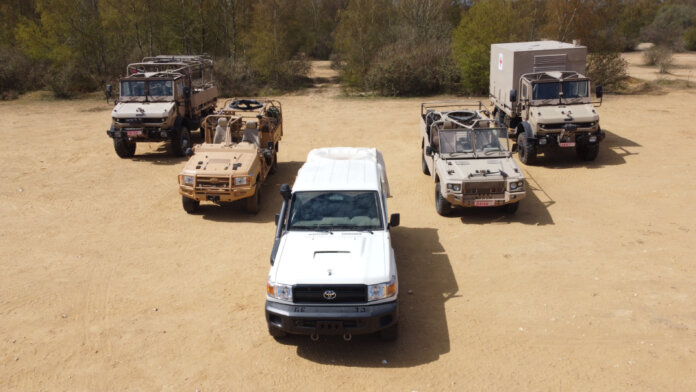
column 463, row 200
column 559, row 138
column 305, row 319
column 140, row 133
column 237, row 193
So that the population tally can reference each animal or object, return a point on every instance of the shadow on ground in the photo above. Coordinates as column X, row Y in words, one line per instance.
column 424, row 271
column 612, row 151
column 270, row 199
column 161, row 155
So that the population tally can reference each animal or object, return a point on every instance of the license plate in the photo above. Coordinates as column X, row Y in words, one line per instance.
column 567, row 144
column 134, row 133
column 484, row 203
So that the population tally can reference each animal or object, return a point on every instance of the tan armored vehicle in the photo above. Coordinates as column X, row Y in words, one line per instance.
column 162, row 98
column 541, row 94
column 239, row 151
column 468, row 157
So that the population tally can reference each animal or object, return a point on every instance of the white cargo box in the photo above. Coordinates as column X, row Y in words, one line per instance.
column 510, row 61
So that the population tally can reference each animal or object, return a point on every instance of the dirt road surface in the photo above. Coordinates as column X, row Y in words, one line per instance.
column 107, row 284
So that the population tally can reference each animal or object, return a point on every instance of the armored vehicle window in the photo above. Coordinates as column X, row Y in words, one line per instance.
column 135, row 88
column 456, row 141
column 335, row 210
column 578, row 89
column 545, row 91
column 487, row 141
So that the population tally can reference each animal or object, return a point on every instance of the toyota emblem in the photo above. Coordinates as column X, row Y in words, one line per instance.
column 329, row 294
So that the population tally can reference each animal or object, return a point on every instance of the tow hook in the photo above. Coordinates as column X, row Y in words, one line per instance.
column 314, row 336
column 347, row 337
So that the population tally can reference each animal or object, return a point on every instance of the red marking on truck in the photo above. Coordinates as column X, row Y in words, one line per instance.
column 484, row 203
column 134, row 133
column 567, row 144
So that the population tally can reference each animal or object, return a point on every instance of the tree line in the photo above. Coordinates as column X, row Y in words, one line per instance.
column 391, row 47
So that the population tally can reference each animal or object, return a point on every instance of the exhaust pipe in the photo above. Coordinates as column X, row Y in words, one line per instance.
column 347, row 337
column 314, row 336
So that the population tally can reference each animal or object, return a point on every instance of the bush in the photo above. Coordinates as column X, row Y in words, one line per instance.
column 407, row 68
column 607, row 70
column 235, row 78
column 690, row 38
column 70, row 80
column 18, row 74
column 660, row 56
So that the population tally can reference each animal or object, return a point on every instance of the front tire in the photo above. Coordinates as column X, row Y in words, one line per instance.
column 124, row 148
column 181, row 140
column 442, row 206
column 511, row 208
column 190, row 205
column 274, row 165
column 587, row 152
column 424, row 165
column 525, row 150
column 277, row 333
column 253, row 203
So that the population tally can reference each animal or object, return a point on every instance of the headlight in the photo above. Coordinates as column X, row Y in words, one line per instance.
column 241, row 180
column 513, row 186
column 381, row 291
column 454, row 187
column 516, row 185
column 279, row 291
column 186, row 180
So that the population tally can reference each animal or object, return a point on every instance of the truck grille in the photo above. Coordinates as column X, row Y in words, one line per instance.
column 484, row 187
column 315, row 293
column 212, row 183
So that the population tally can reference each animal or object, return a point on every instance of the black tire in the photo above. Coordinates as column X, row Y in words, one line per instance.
column 424, row 165
column 511, row 208
column 526, row 151
column 442, row 206
column 124, row 148
column 390, row 334
column 274, row 165
column 277, row 333
column 190, row 205
column 253, row 203
column 587, row 152
column 181, row 140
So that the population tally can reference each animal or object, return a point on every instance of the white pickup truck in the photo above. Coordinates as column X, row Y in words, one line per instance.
column 333, row 270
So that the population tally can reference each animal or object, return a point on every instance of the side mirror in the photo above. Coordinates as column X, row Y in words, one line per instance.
column 285, row 191
column 108, row 92
column 187, row 92
column 277, row 219
column 598, row 91
column 513, row 95
column 394, row 220
column 428, row 151
column 189, row 152
column 269, row 145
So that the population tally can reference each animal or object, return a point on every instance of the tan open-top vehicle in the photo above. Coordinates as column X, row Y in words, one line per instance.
column 239, row 151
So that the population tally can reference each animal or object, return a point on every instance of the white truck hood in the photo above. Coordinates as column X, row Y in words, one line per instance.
column 559, row 114
column 463, row 167
column 338, row 258
column 142, row 109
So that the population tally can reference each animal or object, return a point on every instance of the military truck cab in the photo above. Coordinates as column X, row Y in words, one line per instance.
column 333, row 270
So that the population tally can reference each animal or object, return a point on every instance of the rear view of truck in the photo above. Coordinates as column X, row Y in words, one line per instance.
column 541, row 94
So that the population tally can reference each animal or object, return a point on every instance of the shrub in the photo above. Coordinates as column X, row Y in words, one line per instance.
column 69, row 80
column 18, row 74
column 235, row 78
column 660, row 56
column 607, row 70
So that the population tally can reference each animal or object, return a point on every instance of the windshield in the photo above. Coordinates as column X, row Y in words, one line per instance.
column 476, row 142
column 575, row 89
column 570, row 89
column 153, row 88
column 335, row 210
column 545, row 90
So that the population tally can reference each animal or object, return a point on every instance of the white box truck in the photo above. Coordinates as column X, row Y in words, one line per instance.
column 541, row 94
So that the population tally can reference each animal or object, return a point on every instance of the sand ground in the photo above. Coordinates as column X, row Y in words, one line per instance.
column 107, row 284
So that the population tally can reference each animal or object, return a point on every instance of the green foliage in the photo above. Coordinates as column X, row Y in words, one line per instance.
column 635, row 15
column 487, row 22
column 690, row 38
column 18, row 73
column 670, row 23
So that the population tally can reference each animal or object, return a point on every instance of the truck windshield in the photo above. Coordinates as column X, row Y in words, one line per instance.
column 335, row 210
column 545, row 90
column 483, row 142
column 155, row 88
column 575, row 89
